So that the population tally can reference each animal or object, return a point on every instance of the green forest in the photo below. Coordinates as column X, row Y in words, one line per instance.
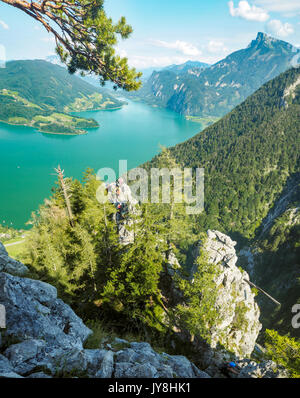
column 251, row 160
column 248, row 157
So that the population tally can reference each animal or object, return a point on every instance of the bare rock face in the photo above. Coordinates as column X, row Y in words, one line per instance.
column 44, row 338
column 120, row 195
column 141, row 361
column 33, row 311
column 126, row 235
column 10, row 265
column 264, row 369
column 239, row 325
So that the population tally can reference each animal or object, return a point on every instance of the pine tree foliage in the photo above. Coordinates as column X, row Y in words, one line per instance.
column 85, row 37
column 199, row 314
column 133, row 287
column 284, row 351
column 179, row 230
column 75, row 257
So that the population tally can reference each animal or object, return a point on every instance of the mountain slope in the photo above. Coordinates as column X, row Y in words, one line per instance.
column 273, row 258
column 248, row 156
column 251, row 162
column 217, row 89
column 50, row 85
column 40, row 94
column 189, row 66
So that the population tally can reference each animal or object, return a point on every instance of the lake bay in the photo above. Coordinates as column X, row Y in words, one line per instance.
column 28, row 157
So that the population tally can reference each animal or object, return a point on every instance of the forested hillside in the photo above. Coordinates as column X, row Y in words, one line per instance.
column 251, row 162
column 247, row 156
column 40, row 94
column 51, row 85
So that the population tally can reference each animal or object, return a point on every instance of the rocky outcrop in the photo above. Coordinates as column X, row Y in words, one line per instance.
column 264, row 369
column 240, row 326
column 120, row 195
column 135, row 360
column 10, row 265
column 45, row 338
column 33, row 311
column 27, row 357
column 234, row 338
column 140, row 360
column 289, row 92
column 289, row 194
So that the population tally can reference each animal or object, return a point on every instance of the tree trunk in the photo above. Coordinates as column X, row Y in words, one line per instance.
column 65, row 193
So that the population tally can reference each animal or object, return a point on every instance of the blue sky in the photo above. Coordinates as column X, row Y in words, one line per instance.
column 167, row 31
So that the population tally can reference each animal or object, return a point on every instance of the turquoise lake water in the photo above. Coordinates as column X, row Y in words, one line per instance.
column 27, row 157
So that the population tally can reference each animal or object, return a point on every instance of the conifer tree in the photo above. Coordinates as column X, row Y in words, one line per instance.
column 198, row 314
column 133, row 287
column 283, row 350
column 178, row 226
column 75, row 257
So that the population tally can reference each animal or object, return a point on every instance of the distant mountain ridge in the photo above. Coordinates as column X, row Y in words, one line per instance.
column 187, row 66
column 215, row 90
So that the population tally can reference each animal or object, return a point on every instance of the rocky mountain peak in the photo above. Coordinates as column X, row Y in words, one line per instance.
column 267, row 41
column 262, row 37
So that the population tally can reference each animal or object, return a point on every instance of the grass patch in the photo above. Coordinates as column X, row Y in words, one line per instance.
column 104, row 333
column 205, row 121
column 18, row 252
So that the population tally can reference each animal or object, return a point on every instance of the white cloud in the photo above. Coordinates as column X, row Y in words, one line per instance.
column 281, row 6
column 122, row 53
column 280, row 29
column 246, row 11
column 216, row 46
column 144, row 61
column 181, row 46
column 4, row 25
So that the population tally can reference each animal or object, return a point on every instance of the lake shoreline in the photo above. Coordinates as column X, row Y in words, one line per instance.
column 41, row 131
column 67, row 113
